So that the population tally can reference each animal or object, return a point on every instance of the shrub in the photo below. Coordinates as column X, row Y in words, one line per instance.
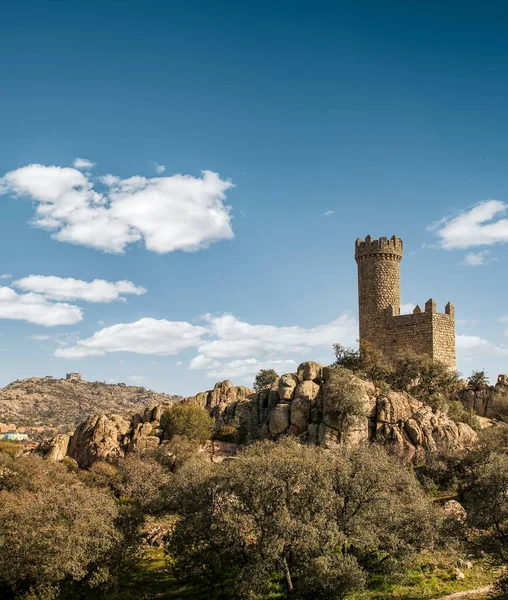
column 56, row 534
column 343, row 400
column 264, row 379
column 187, row 420
column 228, row 433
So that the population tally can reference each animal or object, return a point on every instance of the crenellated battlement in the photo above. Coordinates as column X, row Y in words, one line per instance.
column 391, row 247
column 425, row 331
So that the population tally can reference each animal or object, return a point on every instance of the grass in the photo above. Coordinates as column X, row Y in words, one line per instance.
column 431, row 576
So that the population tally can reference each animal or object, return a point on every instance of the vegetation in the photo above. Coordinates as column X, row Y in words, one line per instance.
column 56, row 402
column 264, row 379
column 188, row 420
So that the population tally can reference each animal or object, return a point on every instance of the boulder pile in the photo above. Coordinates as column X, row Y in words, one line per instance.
column 300, row 404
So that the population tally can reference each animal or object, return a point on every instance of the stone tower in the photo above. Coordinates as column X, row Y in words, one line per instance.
column 381, row 323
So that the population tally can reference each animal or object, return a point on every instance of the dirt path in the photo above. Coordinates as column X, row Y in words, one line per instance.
column 471, row 594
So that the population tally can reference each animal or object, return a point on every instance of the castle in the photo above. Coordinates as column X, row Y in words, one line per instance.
column 381, row 324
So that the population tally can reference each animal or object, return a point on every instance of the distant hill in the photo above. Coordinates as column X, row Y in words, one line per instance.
column 53, row 402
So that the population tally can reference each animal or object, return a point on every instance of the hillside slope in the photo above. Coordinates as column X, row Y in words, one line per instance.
column 47, row 401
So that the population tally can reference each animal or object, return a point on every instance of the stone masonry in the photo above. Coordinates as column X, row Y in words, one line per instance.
column 381, row 324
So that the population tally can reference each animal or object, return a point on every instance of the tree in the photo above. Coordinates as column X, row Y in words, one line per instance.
column 295, row 516
column 478, row 383
column 488, row 493
column 189, row 420
column 56, row 534
column 343, row 398
column 429, row 380
column 264, row 379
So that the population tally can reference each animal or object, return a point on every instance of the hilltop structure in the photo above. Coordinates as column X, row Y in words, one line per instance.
column 381, row 324
column 73, row 377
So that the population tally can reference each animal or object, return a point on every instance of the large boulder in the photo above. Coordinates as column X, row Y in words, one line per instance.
column 300, row 414
column 287, row 386
column 310, row 371
column 279, row 421
column 97, row 438
column 58, row 447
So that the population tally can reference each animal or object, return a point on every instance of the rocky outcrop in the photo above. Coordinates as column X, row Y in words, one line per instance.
column 302, row 404
column 54, row 402
column 58, row 447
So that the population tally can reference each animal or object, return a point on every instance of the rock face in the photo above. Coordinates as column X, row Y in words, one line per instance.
column 300, row 404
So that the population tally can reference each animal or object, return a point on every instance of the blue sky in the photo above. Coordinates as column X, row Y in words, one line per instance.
column 247, row 146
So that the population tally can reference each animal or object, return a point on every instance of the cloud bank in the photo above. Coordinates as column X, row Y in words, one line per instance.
column 225, row 346
column 179, row 212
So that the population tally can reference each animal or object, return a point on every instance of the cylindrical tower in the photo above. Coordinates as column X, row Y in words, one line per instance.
column 378, row 285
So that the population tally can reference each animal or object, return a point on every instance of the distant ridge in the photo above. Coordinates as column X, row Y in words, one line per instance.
column 47, row 401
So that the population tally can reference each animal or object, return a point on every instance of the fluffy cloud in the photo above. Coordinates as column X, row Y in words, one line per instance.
column 5, row 276
column 180, row 212
column 473, row 346
column 35, row 308
column 328, row 213
column 146, row 336
column 476, row 259
column 58, row 288
column 39, row 337
column 138, row 379
column 481, row 225
column 226, row 346
column 83, row 163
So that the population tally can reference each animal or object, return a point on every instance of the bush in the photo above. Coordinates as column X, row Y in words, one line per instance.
column 228, row 433
column 56, row 534
column 188, row 420
column 264, row 379
column 295, row 516
column 343, row 399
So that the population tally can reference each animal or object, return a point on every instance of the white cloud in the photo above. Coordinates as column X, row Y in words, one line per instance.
column 83, row 163
column 146, row 336
column 480, row 225
column 239, row 339
column 475, row 259
column 328, row 213
column 58, row 288
column 178, row 363
column 137, row 378
column 407, row 309
column 180, row 212
column 6, row 276
column 253, row 347
column 159, row 169
column 226, row 346
column 473, row 346
column 246, row 369
column 40, row 338
column 503, row 319
column 35, row 308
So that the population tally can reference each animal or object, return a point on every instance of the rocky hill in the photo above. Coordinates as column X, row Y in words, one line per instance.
column 53, row 402
column 301, row 404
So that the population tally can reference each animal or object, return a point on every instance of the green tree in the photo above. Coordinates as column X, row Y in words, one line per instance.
column 188, row 420
column 57, row 535
column 488, row 512
column 343, row 398
column 296, row 516
column 478, row 383
column 264, row 379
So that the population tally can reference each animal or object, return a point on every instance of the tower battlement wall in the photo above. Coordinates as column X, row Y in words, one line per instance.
column 385, row 246
column 381, row 324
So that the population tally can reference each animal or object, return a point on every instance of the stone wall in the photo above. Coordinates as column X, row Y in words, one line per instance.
column 381, row 323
